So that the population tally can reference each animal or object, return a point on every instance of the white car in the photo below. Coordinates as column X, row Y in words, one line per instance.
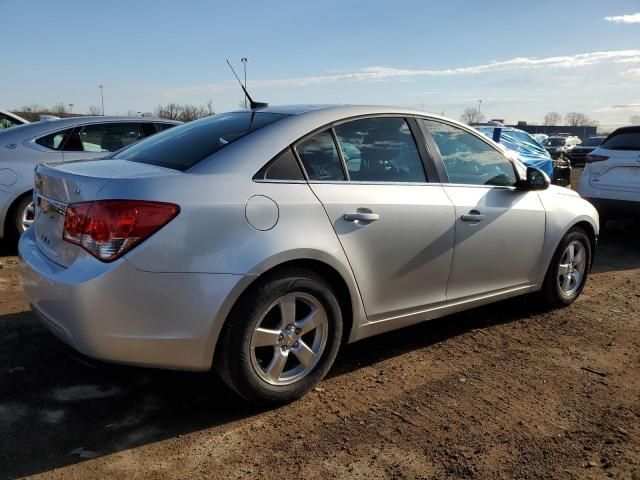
column 611, row 177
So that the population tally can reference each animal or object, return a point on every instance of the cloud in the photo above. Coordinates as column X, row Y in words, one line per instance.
column 632, row 73
column 619, row 107
column 632, row 18
column 376, row 73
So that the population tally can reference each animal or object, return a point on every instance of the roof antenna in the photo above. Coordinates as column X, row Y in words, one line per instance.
column 252, row 104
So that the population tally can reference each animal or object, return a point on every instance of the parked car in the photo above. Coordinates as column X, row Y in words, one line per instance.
column 529, row 151
column 259, row 241
column 559, row 146
column 540, row 137
column 611, row 177
column 21, row 149
column 8, row 120
column 578, row 154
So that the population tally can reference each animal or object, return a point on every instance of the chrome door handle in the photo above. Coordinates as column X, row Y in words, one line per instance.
column 472, row 216
column 361, row 217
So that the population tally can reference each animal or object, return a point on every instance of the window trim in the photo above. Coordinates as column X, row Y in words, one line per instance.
column 440, row 162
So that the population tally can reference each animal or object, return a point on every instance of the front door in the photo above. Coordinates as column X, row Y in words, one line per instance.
column 395, row 228
column 499, row 230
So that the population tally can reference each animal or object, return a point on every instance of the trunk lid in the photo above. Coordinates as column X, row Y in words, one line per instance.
column 621, row 171
column 58, row 185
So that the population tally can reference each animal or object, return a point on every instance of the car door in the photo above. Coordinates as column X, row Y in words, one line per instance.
column 395, row 228
column 499, row 230
column 96, row 140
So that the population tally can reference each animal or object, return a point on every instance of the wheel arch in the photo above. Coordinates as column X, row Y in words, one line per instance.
column 590, row 230
column 5, row 226
column 336, row 274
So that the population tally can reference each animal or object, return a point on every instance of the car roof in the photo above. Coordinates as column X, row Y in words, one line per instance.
column 34, row 128
column 341, row 110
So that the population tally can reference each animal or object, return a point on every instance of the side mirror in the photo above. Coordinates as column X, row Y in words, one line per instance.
column 536, row 180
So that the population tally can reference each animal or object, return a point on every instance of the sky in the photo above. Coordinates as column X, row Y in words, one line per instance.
column 522, row 59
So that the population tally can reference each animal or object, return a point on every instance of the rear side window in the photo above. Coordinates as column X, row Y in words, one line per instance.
column 623, row 140
column 55, row 140
column 182, row 147
column 380, row 150
column 164, row 126
column 320, row 157
column 109, row 137
column 283, row 167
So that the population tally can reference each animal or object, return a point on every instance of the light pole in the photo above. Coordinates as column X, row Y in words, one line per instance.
column 479, row 109
column 101, row 86
column 244, row 61
column 71, row 109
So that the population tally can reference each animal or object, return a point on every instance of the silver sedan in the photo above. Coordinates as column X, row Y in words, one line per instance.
column 25, row 146
column 257, row 242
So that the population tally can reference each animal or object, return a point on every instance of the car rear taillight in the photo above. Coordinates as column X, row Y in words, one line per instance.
column 107, row 229
column 590, row 158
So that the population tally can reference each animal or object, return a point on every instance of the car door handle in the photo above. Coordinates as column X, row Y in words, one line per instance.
column 361, row 217
column 472, row 216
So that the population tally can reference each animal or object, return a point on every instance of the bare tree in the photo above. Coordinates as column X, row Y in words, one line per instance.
column 577, row 119
column 634, row 119
column 189, row 113
column 471, row 115
column 169, row 111
column 208, row 108
column 552, row 118
column 95, row 110
column 59, row 109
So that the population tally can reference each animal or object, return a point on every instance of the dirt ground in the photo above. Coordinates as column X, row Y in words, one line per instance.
column 505, row 391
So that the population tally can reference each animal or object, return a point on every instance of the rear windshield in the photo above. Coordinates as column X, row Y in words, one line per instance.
column 624, row 140
column 183, row 146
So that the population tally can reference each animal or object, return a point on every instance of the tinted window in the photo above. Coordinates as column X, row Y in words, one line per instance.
column 556, row 141
column 8, row 122
column 380, row 150
column 592, row 142
column 624, row 140
column 185, row 145
column 468, row 159
column 56, row 140
column 320, row 157
column 164, row 126
column 283, row 167
column 109, row 137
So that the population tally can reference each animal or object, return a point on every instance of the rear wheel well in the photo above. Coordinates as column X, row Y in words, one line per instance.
column 328, row 273
column 9, row 219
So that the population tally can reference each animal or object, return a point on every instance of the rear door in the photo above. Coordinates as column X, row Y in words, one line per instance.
column 395, row 227
column 499, row 230
column 97, row 140
column 621, row 169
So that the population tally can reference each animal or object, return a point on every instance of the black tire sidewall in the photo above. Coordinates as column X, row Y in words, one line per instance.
column 234, row 359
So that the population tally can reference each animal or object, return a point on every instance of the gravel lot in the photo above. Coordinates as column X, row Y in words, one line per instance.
column 505, row 391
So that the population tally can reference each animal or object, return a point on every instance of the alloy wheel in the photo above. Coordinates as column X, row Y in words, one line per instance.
column 573, row 264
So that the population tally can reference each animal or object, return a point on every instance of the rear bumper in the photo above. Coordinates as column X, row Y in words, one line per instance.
column 117, row 313
column 616, row 208
column 562, row 175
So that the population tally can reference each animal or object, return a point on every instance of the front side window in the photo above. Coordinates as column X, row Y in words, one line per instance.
column 55, row 140
column 8, row 122
column 468, row 159
column 320, row 157
column 181, row 147
column 380, row 150
column 109, row 137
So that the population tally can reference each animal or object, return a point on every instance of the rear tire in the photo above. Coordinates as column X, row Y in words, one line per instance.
column 568, row 271
column 281, row 337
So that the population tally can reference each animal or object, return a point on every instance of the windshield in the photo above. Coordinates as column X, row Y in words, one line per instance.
column 556, row 141
column 593, row 142
column 181, row 147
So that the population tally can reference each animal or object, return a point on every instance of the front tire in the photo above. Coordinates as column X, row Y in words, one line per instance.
column 568, row 271
column 281, row 338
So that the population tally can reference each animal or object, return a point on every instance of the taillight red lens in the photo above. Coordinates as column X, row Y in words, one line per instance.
column 107, row 229
column 596, row 158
